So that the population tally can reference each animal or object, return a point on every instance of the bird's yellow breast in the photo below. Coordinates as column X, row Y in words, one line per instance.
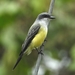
column 39, row 38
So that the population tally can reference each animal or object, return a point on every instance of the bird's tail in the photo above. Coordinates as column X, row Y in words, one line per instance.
column 20, row 57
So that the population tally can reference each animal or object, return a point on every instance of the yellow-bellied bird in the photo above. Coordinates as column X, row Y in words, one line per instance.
column 36, row 35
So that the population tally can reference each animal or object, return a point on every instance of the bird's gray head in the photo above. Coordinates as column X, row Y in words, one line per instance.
column 45, row 15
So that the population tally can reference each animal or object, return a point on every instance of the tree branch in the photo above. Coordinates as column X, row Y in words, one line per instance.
column 42, row 47
column 51, row 7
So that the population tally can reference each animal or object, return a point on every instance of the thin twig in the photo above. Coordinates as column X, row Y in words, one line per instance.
column 38, row 64
column 42, row 47
column 39, row 60
column 51, row 7
column 50, row 10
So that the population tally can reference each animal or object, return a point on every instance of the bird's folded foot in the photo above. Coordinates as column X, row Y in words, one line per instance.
column 45, row 40
column 36, row 49
column 40, row 52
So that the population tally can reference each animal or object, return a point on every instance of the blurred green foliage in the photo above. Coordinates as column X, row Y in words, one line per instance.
column 16, row 16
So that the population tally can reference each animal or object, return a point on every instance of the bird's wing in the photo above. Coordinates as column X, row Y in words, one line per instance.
column 31, row 34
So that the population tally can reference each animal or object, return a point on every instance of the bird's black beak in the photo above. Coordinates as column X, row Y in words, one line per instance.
column 52, row 17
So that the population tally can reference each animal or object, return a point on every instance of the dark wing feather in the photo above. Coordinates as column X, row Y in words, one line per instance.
column 31, row 34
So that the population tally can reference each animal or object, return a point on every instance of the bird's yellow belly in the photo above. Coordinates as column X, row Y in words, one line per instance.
column 39, row 38
column 37, row 41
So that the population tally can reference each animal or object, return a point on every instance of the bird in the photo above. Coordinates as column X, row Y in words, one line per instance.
column 36, row 35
